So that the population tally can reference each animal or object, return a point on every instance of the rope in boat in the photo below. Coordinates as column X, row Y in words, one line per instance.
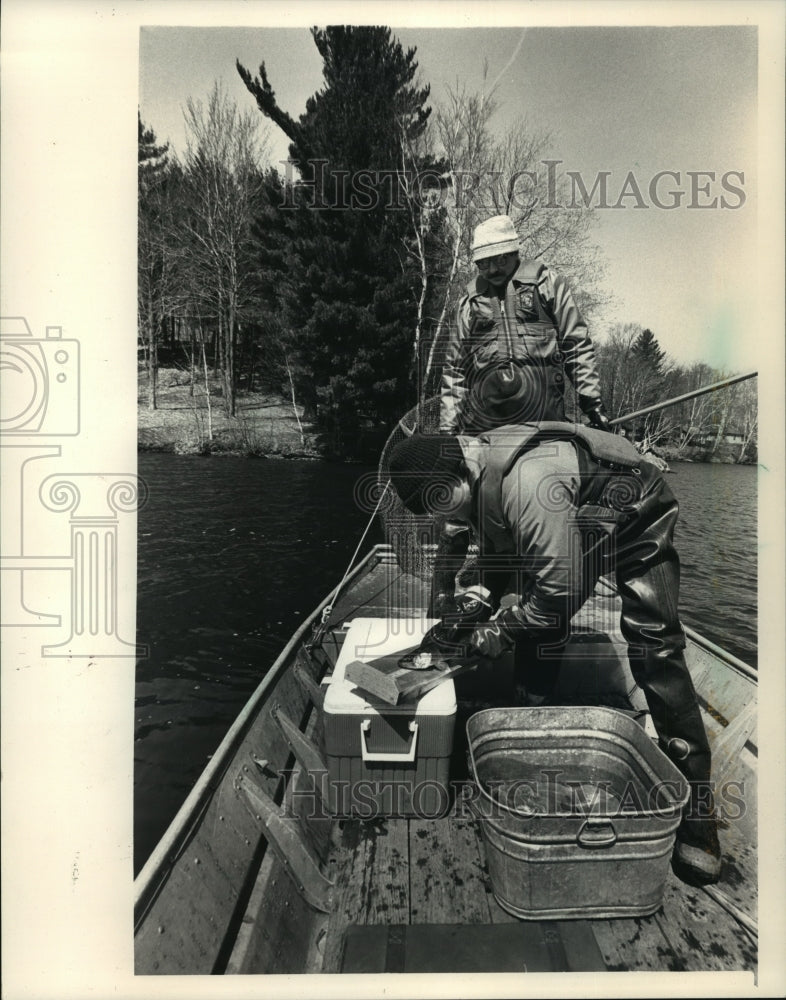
column 327, row 611
column 746, row 922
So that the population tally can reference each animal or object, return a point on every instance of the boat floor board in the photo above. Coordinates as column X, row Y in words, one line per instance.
column 690, row 932
column 432, row 873
column 369, row 864
column 446, row 875
column 636, row 944
column 384, row 592
column 702, row 933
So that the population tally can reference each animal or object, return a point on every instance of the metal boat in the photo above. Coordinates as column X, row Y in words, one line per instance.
column 249, row 881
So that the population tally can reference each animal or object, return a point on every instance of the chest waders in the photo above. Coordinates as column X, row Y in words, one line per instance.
column 512, row 358
column 627, row 495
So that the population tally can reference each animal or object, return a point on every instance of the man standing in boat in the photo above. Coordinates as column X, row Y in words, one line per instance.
column 518, row 335
column 555, row 506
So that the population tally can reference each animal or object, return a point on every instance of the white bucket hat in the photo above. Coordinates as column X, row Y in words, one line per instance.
column 495, row 236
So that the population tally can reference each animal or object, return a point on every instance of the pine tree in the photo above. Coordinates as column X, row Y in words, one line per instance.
column 334, row 244
column 649, row 369
column 153, row 252
column 152, row 159
column 647, row 353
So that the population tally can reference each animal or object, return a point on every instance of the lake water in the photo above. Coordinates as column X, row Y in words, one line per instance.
column 234, row 553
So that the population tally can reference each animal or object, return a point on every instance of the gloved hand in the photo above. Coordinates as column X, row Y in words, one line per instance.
column 474, row 605
column 459, row 616
column 491, row 640
column 598, row 419
column 499, row 635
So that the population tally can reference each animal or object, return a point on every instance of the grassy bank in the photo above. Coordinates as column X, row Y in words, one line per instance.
column 725, row 454
column 187, row 422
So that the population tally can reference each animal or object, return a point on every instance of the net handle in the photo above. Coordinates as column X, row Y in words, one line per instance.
column 327, row 611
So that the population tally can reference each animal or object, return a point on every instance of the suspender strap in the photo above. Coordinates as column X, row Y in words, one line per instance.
column 501, row 322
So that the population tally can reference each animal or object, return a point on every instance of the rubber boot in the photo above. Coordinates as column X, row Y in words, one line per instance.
column 697, row 854
column 648, row 576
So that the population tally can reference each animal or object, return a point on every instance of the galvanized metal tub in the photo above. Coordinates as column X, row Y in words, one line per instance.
column 578, row 808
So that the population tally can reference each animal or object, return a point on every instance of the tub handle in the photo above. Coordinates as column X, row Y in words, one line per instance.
column 476, row 810
column 404, row 758
column 596, row 833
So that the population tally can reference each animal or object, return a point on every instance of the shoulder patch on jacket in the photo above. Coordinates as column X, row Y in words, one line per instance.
column 530, row 271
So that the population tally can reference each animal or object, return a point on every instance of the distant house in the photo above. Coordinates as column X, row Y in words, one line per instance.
column 732, row 436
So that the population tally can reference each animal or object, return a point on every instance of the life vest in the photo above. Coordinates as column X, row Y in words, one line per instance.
column 513, row 362
column 613, row 475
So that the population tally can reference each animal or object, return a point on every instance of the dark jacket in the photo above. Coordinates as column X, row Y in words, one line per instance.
column 538, row 329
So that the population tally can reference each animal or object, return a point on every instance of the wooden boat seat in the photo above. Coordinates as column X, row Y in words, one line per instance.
column 537, row 946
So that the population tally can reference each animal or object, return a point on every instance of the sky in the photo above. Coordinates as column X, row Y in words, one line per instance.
column 633, row 102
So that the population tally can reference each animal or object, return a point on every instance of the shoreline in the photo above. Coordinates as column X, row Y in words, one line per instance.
column 167, row 448
column 187, row 422
column 172, row 448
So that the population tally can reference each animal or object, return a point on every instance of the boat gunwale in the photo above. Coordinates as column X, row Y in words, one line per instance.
column 728, row 658
column 148, row 882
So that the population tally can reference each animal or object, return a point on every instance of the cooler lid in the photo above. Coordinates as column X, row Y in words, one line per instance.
column 368, row 638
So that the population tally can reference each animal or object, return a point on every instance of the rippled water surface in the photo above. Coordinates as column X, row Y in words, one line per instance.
column 717, row 541
column 234, row 553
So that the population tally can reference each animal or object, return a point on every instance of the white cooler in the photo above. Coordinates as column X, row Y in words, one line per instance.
column 387, row 760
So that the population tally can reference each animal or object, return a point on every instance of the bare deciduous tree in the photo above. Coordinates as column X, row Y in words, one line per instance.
column 723, row 417
column 222, row 180
column 155, row 250
column 747, row 415
column 490, row 175
column 693, row 418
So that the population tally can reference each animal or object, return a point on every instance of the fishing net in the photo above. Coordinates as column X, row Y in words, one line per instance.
column 415, row 539
column 412, row 537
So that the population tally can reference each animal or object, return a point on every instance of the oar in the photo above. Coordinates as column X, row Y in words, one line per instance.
column 681, row 399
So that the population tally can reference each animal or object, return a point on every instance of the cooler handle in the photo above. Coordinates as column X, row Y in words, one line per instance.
column 405, row 758
column 597, row 833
